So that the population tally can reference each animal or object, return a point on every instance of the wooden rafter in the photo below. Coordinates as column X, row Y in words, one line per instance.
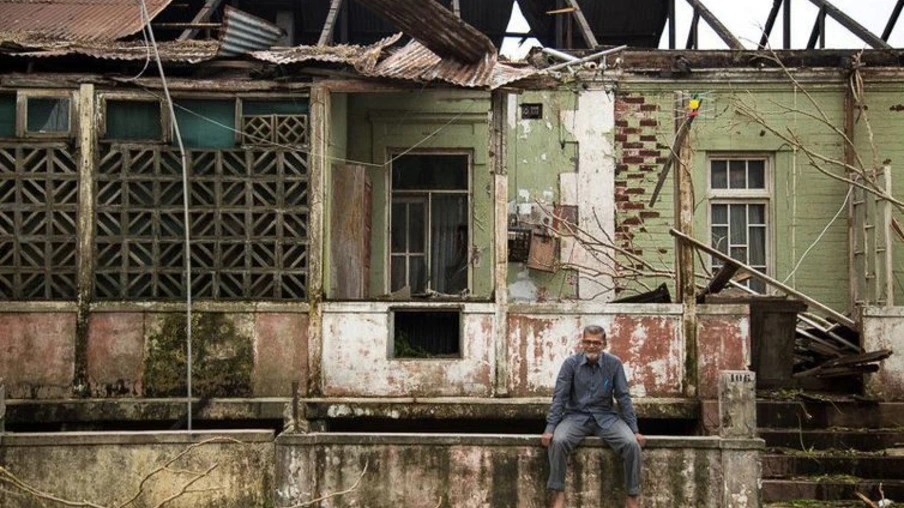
column 770, row 22
column 326, row 36
column 892, row 20
column 589, row 38
column 715, row 24
column 854, row 27
column 202, row 17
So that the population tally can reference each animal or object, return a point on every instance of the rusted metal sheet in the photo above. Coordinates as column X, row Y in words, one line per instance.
column 415, row 62
column 723, row 340
column 74, row 20
column 649, row 344
column 170, row 51
column 356, row 363
column 243, row 33
column 361, row 57
column 436, row 27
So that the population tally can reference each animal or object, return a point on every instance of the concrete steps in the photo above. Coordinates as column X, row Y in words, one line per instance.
column 830, row 489
column 823, row 452
column 876, row 467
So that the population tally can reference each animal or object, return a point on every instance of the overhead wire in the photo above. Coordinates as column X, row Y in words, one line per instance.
column 146, row 21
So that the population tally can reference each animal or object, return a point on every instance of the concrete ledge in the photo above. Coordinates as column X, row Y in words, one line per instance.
column 128, row 410
column 274, row 408
column 529, row 440
column 480, row 470
column 561, row 308
column 56, row 439
column 476, row 408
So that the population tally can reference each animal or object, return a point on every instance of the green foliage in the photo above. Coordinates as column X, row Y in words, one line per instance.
column 403, row 348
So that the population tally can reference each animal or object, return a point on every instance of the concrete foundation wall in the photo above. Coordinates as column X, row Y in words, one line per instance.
column 646, row 337
column 492, row 470
column 139, row 352
column 108, row 468
column 883, row 328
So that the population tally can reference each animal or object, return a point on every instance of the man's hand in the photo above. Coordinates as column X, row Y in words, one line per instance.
column 546, row 439
column 640, row 439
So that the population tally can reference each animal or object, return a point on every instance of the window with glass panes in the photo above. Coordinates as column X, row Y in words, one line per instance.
column 429, row 223
column 738, row 212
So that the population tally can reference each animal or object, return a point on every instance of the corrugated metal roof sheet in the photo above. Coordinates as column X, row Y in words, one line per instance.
column 170, row 51
column 74, row 20
column 363, row 58
column 414, row 62
column 436, row 27
column 243, row 33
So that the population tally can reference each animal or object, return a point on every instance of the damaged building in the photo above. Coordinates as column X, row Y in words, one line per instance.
column 386, row 237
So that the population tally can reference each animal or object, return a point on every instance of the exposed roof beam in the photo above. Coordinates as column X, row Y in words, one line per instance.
column 326, row 36
column 786, row 36
column 434, row 26
column 671, row 24
column 203, row 15
column 892, row 20
column 854, row 27
column 819, row 31
column 692, row 32
column 716, row 25
column 456, row 8
column 770, row 22
column 589, row 38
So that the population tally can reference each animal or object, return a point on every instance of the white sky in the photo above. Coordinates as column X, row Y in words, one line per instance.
column 745, row 18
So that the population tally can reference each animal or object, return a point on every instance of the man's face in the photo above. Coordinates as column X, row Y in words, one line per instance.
column 593, row 345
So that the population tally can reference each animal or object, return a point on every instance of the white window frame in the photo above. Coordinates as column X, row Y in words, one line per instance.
column 22, row 98
column 392, row 154
column 744, row 196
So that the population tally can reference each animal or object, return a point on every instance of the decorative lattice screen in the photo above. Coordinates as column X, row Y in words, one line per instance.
column 38, row 217
column 291, row 130
column 249, row 224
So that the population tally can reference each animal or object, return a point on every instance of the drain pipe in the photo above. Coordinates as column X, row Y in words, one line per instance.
column 595, row 56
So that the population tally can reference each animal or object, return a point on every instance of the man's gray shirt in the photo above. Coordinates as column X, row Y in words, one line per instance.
column 585, row 388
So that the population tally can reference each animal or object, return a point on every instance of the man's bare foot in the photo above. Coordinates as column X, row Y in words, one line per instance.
column 558, row 499
column 632, row 502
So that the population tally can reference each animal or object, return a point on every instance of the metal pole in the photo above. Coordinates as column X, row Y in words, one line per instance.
column 595, row 56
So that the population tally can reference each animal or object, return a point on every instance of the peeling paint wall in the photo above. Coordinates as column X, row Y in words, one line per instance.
column 883, row 328
column 509, row 471
column 647, row 338
column 356, row 358
column 37, row 354
column 137, row 354
column 565, row 157
column 723, row 339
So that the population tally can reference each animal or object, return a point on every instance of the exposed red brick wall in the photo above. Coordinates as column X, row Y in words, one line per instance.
column 639, row 157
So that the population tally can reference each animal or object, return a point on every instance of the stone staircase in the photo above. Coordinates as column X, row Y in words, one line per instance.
column 822, row 451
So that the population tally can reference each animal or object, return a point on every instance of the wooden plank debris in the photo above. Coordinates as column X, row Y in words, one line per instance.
column 719, row 281
column 841, row 318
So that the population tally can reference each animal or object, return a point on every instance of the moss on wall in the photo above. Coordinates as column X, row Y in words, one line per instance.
column 223, row 357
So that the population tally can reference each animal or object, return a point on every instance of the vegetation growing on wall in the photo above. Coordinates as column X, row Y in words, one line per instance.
column 222, row 358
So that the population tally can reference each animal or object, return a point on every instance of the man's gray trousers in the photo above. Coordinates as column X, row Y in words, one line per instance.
column 573, row 428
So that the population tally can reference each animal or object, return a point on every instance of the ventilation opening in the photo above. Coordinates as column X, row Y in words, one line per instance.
column 426, row 334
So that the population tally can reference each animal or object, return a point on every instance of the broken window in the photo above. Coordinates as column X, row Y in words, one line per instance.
column 739, row 212
column 419, row 333
column 7, row 116
column 47, row 115
column 429, row 232
column 133, row 120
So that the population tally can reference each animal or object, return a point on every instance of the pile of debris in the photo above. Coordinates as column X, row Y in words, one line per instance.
column 829, row 350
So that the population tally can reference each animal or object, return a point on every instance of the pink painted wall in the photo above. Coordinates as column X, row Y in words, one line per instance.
column 723, row 343
column 37, row 354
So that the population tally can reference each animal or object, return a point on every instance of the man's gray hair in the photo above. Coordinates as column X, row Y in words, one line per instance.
column 594, row 330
